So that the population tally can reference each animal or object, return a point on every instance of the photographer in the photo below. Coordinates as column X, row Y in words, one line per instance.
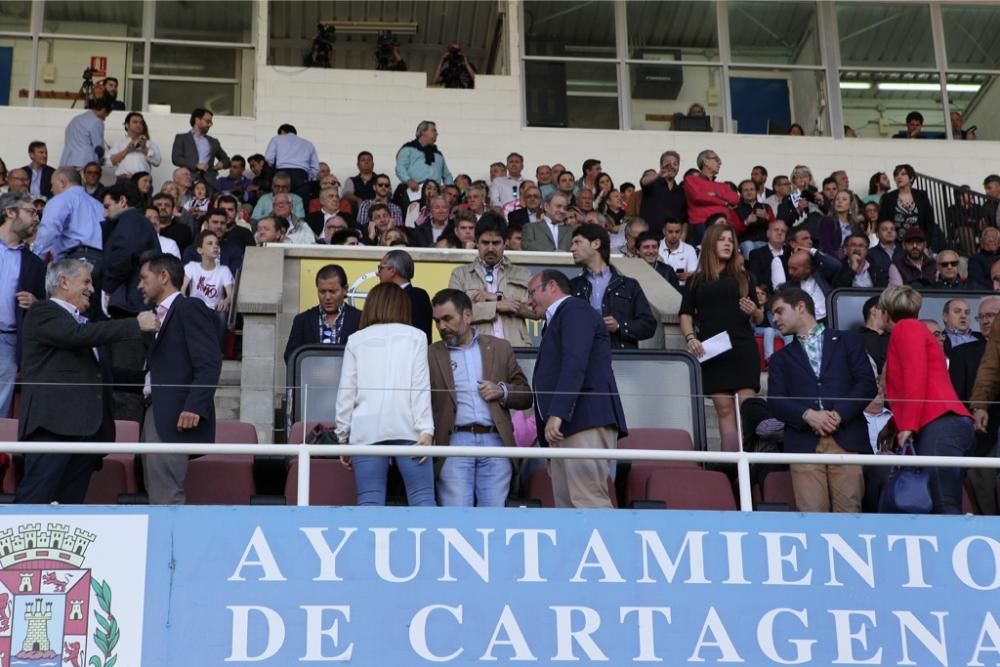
column 455, row 70
column 134, row 152
column 387, row 54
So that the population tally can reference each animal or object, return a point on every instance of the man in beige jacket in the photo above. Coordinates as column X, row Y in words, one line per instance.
column 497, row 288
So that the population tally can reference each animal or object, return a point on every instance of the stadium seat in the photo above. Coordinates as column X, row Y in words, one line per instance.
column 299, row 430
column 218, row 479
column 330, row 483
column 969, row 505
column 689, row 489
column 8, row 433
column 540, row 488
column 672, row 439
column 117, row 474
column 777, row 488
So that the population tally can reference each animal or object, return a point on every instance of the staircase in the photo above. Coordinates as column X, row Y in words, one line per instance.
column 227, row 395
column 943, row 196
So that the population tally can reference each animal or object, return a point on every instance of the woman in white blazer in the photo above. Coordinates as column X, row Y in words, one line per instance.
column 385, row 397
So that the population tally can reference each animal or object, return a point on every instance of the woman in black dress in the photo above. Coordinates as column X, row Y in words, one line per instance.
column 719, row 298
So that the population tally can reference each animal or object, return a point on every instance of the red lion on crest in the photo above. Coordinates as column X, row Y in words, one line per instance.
column 51, row 578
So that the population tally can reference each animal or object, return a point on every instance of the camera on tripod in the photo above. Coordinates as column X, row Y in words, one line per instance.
column 387, row 52
column 321, row 53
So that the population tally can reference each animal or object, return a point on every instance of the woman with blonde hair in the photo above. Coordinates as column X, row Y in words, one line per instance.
column 925, row 407
column 384, row 397
column 719, row 298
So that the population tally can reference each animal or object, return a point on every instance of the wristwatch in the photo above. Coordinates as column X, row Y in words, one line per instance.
column 499, row 295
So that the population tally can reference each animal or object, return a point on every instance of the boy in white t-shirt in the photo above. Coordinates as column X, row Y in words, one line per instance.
column 210, row 280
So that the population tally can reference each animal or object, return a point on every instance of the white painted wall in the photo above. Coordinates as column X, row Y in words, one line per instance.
column 344, row 111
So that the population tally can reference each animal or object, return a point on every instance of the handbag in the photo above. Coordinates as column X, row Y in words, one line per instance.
column 907, row 490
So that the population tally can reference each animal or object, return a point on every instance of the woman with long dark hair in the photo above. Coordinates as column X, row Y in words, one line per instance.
column 908, row 206
column 720, row 298
column 384, row 396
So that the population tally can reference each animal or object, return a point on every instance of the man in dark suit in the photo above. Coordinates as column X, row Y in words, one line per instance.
column 819, row 387
column 197, row 151
column 332, row 321
column 531, row 208
column 128, row 236
column 760, row 261
column 39, row 171
column 964, row 361
column 475, row 381
column 18, row 223
column 858, row 271
column 397, row 267
column 183, row 369
column 67, row 395
column 576, row 397
column 804, row 272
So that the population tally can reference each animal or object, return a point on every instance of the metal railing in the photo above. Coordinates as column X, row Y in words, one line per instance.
column 949, row 215
column 304, row 453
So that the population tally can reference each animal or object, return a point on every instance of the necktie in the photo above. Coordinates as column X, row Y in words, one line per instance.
column 778, row 277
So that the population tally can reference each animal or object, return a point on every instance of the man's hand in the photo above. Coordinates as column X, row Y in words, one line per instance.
column 346, row 462
column 424, row 439
column 752, row 218
column 482, row 295
column 148, row 321
column 25, row 300
column 187, row 421
column 855, row 262
column 822, row 422
column 201, row 166
column 552, row 432
column 982, row 418
column 490, row 391
column 508, row 306
column 903, row 436
column 611, row 324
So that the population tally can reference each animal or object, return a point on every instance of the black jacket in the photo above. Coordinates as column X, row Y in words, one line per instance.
column 625, row 301
column 128, row 237
column 421, row 313
column 667, row 273
column 305, row 329
column 925, row 215
column 845, row 277
column 46, row 185
column 31, row 279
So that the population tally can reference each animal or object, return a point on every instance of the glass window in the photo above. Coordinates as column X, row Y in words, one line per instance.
column 970, row 96
column 182, row 96
column 16, row 95
column 224, row 22
column 574, row 29
column 686, row 30
column 970, row 35
column 15, row 16
column 770, row 101
column 571, row 94
column 109, row 19
column 193, row 61
column 663, row 96
column 59, row 79
column 874, row 34
column 771, row 32
column 876, row 105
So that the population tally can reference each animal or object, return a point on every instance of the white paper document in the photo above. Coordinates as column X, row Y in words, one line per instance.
column 715, row 346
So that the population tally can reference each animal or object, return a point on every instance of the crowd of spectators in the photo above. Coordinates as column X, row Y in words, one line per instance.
column 733, row 249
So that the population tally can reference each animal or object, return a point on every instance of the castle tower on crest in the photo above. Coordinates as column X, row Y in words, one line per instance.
column 37, row 637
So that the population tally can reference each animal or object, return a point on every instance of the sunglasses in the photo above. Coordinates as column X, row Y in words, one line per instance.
column 381, row 185
column 955, row 263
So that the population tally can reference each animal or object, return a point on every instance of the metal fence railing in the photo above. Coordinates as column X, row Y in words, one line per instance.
column 960, row 213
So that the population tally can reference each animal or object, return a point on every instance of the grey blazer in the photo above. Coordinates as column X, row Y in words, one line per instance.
column 185, row 154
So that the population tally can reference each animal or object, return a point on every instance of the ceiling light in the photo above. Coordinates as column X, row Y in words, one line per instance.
column 913, row 87
column 855, row 85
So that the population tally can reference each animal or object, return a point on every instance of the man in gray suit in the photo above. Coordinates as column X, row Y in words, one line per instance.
column 551, row 233
column 197, row 151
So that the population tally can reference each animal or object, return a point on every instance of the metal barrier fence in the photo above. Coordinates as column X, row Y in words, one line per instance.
column 949, row 215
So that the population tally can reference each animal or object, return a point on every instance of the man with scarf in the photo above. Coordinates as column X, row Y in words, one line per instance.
column 420, row 159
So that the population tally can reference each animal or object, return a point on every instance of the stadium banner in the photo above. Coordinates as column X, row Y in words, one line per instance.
column 100, row 587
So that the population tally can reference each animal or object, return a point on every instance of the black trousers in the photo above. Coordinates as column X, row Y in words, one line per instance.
column 300, row 184
column 61, row 478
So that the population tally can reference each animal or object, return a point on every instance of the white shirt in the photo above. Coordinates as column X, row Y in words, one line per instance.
column 504, row 189
column 810, row 286
column 208, row 286
column 169, row 246
column 384, row 391
column 135, row 161
column 554, row 230
column 685, row 258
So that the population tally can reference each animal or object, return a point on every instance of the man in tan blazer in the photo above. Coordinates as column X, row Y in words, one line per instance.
column 497, row 288
column 475, row 382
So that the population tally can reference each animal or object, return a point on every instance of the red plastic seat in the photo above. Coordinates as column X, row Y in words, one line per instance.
column 777, row 488
column 8, row 433
column 330, row 483
column 219, row 479
column 672, row 439
column 540, row 488
column 689, row 489
column 299, row 430
column 117, row 473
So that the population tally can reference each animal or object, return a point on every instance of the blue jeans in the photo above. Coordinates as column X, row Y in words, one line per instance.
column 948, row 435
column 370, row 474
column 482, row 481
column 8, row 371
column 746, row 247
column 770, row 334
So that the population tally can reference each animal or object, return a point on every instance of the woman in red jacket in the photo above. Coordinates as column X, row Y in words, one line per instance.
column 706, row 197
column 924, row 404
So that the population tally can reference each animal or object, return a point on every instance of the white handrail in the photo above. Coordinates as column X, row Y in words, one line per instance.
column 743, row 460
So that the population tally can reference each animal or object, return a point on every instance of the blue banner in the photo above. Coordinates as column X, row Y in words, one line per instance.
column 278, row 586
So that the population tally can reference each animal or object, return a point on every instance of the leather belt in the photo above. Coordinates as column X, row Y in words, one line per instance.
column 476, row 428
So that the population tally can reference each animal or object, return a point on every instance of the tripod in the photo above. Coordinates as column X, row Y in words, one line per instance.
column 85, row 92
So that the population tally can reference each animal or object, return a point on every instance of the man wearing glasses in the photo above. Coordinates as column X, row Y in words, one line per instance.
column 329, row 323
column 949, row 274
column 383, row 188
column 92, row 181
column 20, row 268
column 497, row 288
column 397, row 268
column 281, row 183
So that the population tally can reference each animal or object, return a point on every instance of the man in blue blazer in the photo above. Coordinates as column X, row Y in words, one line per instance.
column 329, row 323
column 819, row 387
column 182, row 371
column 576, row 397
